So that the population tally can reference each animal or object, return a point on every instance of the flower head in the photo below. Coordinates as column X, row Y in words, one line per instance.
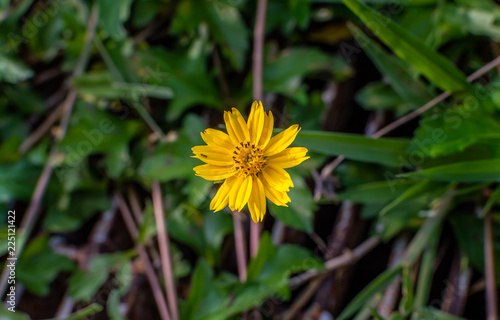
column 250, row 161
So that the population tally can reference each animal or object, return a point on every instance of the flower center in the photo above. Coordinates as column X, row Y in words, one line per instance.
column 248, row 159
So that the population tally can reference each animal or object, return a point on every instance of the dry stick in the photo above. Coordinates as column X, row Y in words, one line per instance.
column 328, row 169
column 457, row 287
column 98, row 237
column 41, row 130
column 347, row 258
column 41, row 185
column 239, row 240
column 391, row 294
column 489, row 262
column 143, row 255
column 304, row 297
column 258, row 48
column 164, row 245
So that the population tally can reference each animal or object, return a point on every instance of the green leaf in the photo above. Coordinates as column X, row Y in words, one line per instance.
column 432, row 65
column 39, row 266
column 169, row 161
column 426, row 273
column 411, row 90
column 382, row 151
column 381, row 96
column 84, row 284
column 285, row 73
column 101, row 85
column 416, row 190
column 185, row 75
column 86, row 312
column 468, row 171
column 16, row 179
column 228, row 29
column 5, row 313
column 112, row 15
column 455, row 130
column 13, row 70
column 72, row 210
column 406, row 303
column 476, row 21
column 266, row 251
column 201, row 279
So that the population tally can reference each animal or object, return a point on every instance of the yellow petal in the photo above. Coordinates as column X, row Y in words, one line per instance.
column 217, row 138
column 236, row 126
column 214, row 173
column 221, row 198
column 240, row 192
column 215, row 155
column 257, row 201
column 279, row 198
column 256, row 121
column 267, row 130
column 289, row 157
column 281, row 141
column 277, row 177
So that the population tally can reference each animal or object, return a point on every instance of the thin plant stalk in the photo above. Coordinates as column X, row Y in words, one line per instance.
column 164, row 245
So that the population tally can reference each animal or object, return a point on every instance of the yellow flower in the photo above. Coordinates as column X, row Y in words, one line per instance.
column 251, row 162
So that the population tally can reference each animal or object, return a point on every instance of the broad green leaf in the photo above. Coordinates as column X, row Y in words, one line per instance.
column 84, row 284
column 5, row 313
column 112, row 15
column 411, row 90
column 169, row 161
column 73, row 209
column 13, row 70
column 381, row 96
column 284, row 74
column 38, row 266
column 186, row 76
column 432, row 65
column 200, row 281
column 266, row 251
column 17, row 180
column 382, row 151
column 476, row 21
column 469, row 171
column 454, row 130
column 228, row 29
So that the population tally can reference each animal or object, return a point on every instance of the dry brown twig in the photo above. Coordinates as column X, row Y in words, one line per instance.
column 164, row 245
column 158, row 294
column 489, row 263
